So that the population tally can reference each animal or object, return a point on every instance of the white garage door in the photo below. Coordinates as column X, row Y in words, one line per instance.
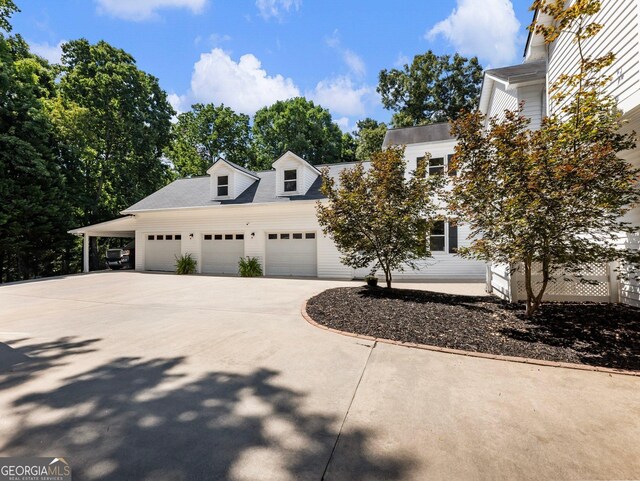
column 221, row 253
column 161, row 251
column 291, row 254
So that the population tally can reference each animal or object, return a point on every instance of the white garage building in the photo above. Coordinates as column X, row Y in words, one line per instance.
column 271, row 215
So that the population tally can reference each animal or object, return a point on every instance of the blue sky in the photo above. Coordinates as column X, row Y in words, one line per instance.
column 248, row 54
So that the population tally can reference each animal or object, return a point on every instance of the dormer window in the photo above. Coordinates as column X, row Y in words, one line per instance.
column 223, row 185
column 291, row 180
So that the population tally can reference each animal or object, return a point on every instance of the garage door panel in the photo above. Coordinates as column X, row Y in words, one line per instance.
column 291, row 254
column 161, row 251
column 221, row 253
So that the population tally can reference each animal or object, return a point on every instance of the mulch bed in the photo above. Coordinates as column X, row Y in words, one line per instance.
column 597, row 334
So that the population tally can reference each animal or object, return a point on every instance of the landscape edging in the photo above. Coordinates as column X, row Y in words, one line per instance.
column 459, row 352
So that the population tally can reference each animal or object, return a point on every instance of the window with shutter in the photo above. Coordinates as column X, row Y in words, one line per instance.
column 453, row 238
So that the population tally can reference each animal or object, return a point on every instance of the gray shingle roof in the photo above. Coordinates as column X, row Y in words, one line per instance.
column 237, row 167
column 195, row 192
column 520, row 73
column 418, row 135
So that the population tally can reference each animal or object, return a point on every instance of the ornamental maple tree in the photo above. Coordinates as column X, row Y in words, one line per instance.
column 377, row 217
column 550, row 199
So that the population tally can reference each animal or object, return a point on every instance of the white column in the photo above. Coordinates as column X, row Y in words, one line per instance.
column 85, row 253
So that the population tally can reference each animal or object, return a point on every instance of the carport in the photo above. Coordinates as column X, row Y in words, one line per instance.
column 122, row 227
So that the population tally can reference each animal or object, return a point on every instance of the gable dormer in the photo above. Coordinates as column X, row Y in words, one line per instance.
column 294, row 175
column 229, row 180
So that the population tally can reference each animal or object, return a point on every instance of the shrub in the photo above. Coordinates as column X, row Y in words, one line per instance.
column 185, row 264
column 249, row 267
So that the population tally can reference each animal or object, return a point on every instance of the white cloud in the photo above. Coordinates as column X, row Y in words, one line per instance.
column 345, row 124
column 486, row 28
column 401, row 60
column 52, row 53
column 244, row 85
column 213, row 40
column 176, row 102
column 276, row 8
column 340, row 96
column 138, row 10
column 353, row 61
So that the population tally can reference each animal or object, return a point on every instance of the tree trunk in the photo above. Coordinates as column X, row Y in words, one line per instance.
column 527, row 283
column 535, row 300
column 387, row 276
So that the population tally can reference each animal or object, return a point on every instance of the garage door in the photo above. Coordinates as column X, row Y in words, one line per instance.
column 161, row 251
column 291, row 254
column 221, row 253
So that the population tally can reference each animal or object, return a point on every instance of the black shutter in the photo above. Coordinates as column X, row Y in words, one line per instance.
column 450, row 171
column 453, row 238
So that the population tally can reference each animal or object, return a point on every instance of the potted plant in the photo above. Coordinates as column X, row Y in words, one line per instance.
column 372, row 280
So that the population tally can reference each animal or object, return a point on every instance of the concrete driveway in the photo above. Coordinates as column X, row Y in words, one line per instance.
column 134, row 376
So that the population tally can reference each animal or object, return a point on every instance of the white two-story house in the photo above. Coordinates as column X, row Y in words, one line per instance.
column 271, row 215
column 529, row 82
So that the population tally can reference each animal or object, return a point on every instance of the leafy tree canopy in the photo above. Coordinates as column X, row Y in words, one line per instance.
column 369, row 137
column 114, row 122
column 297, row 125
column 349, row 148
column 431, row 89
column 550, row 199
column 7, row 8
column 33, row 211
column 377, row 217
column 206, row 134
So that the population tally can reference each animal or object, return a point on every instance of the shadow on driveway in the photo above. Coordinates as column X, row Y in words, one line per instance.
column 137, row 419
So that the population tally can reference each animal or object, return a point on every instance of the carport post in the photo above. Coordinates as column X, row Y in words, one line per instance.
column 85, row 253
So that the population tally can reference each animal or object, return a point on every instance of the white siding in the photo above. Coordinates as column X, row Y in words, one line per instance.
column 329, row 264
column 502, row 100
column 238, row 181
column 629, row 287
column 619, row 35
column 247, row 219
column 436, row 149
column 289, row 163
column 309, row 176
column 241, row 183
column 220, row 170
column 531, row 96
column 286, row 217
column 444, row 266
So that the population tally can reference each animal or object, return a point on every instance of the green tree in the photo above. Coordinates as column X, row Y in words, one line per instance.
column 33, row 211
column 550, row 199
column 207, row 133
column 297, row 125
column 432, row 89
column 7, row 8
column 369, row 136
column 348, row 148
column 377, row 217
column 113, row 121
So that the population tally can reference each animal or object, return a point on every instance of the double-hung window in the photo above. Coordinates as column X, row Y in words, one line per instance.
column 436, row 166
column 291, row 180
column 223, row 185
column 444, row 237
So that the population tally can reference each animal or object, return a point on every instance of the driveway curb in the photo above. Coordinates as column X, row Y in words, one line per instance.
column 446, row 350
